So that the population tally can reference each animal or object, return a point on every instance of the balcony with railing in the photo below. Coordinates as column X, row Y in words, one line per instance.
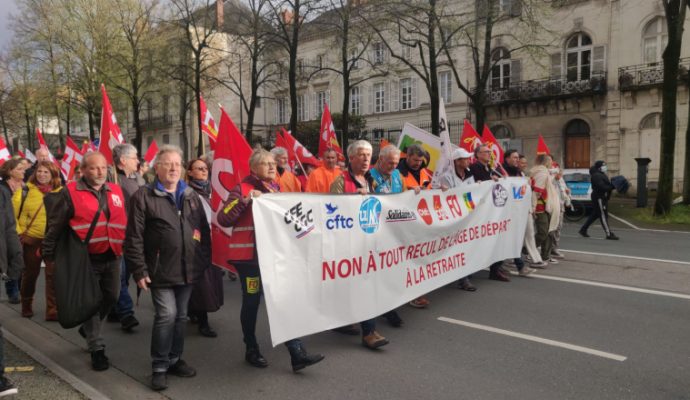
column 163, row 121
column 546, row 89
column 644, row 76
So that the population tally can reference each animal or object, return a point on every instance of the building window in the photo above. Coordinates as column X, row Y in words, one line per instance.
column 321, row 101
column 505, row 5
column 300, row 67
column 319, row 61
column 355, row 101
column 166, row 101
column 379, row 97
column 166, row 139
column 354, row 58
column 500, row 71
column 445, row 86
column 651, row 121
column 302, row 106
column 654, row 39
column 502, row 132
column 258, row 102
column 379, row 53
column 406, row 94
column 149, row 109
column 282, row 110
column 579, row 57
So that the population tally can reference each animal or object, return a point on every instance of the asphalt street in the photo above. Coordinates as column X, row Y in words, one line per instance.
column 532, row 338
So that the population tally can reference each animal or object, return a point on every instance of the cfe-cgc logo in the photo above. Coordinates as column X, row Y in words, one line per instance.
column 519, row 192
column 369, row 214
column 337, row 221
column 400, row 215
column 424, row 213
column 500, row 195
column 303, row 221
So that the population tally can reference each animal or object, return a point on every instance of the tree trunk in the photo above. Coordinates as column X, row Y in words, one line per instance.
column 686, row 171
column 345, row 125
column 138, row 135
column 250, row 119
column 675, row 18
column 433, row 67
column 479, row 110
column 292, row 71
column 92, row 133
column 4, row 129
column 27, row 117
column 197, row 96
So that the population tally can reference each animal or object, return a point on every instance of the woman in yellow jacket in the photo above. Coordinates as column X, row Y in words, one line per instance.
column 31, row 227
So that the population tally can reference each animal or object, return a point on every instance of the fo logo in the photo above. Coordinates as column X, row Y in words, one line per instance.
column 424, row 213
column 369, row 214
column 500, row 195
column 519, row 192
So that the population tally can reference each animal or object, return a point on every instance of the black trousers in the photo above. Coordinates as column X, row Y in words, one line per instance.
column 600, row 210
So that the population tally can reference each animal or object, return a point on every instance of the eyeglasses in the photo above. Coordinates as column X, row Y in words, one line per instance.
column 267, row 164
column 485, row 151
column 201, row 168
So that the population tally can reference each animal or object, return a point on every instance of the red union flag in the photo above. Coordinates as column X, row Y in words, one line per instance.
column 230, row 166
column 303, row 155
column 469, row 140
column 4, row 152
column 208, row 125
column 111, row 135
column 327, row 139
column 42, row 143
column 70, row 159
column 494, row 146
column 151, row 153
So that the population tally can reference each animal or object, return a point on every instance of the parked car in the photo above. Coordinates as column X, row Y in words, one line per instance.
column 580, row 185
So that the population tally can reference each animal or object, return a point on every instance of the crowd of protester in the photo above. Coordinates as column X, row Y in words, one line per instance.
column 153, row 227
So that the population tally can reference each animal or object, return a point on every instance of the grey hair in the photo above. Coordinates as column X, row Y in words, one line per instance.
column 123, row 150
column 388, row 151
column 415, row 150
column 356, row 145
column 279, row 151
column 87, row 156
column 168, row 148
column 258, row 156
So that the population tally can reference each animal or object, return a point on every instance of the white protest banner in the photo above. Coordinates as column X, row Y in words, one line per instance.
column 332, row 260
column 411, row 134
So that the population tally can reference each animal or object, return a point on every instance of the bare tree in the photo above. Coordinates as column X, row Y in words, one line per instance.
column 686, row 171
column 18, row 67
column 675, row 11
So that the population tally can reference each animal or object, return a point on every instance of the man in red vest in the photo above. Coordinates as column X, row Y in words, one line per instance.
column 90, row 194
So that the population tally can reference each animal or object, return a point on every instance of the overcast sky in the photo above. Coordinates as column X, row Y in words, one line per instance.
column 6, row 8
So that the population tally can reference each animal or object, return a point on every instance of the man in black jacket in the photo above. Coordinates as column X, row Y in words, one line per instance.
column 11, row 263
column 168, row 227
column 601, row 193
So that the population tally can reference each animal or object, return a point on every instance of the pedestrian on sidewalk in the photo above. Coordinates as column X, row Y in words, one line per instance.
column 91, row 201
column 167, row 231
column 11, row 263
column 601, row 193
column 31, row 226
column 13, row 173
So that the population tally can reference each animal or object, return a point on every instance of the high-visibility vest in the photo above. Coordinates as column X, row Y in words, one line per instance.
column 109, row 233
column 242, row 243
column 424, row 176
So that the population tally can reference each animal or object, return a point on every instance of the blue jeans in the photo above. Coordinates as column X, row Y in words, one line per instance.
column 170, row 320
column 125, row 305
column 12, row 287
column 519, row 264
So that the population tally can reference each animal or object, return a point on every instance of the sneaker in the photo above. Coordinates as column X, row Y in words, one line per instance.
column 583, row 233
column 557, row 254
column 612, row 237
column 526, row 271
column 207, row 331
column 6, row 387
column 420, row 302
column 553, row 261
column 539, row 265
column 182, row 369
column 128, row 323
column 99, row 362
column 159, row 381
column 373, row 341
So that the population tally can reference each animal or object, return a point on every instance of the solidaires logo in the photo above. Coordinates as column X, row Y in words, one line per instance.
column 500, row 195
column 369, row 215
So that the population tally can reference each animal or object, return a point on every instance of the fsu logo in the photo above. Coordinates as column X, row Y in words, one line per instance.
column 424, row 213
column 500, row 195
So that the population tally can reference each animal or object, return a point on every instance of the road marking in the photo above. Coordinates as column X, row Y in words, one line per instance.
column 536, row 339
column 661, row 260
column 19, row 369
column 626, row 222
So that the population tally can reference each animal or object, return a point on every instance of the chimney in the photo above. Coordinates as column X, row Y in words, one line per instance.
column 219, row 15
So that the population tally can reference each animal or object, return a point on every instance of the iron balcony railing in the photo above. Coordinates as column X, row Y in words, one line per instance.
column 163, row 121
column 546, row 89
column 636, row 77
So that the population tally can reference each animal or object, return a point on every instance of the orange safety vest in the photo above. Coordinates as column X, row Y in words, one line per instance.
column 109, row 233
column 411, row 182
column 242, row 242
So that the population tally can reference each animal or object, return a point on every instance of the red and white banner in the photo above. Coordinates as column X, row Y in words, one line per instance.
column 44, row 145
column 303, row 155
column 327, row 139
column 230, row 166
column 469, row 140
column 150, row 155
column 333, row 260
column 4, row 152
column 111, row 135
column 208, row 124
column 70, row 159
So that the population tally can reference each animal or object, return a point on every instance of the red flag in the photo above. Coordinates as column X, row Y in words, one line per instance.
column 4, row 152
column 41, row 140
column 70, row 159
column 86, row 147
column 151, row 153
column 383, row 143
column 494, row 146
column 300, row 152
column 111, row 135
column 282, row 142
column 208, row 125
column 230, row 166
column 327, row 139
column 469, row 140
column 21, row 154
column 542, row 148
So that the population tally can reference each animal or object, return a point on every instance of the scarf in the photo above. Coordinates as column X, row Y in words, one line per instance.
column 44, row 188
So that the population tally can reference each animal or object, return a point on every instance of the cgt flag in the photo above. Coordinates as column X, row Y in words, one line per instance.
column 303, row 155
column 70, row 159
column 111, row 135
column 150, row 155
column 496, row 150
column 230, row 166
column 208, row 124
column 470, row 139
column 327, row 139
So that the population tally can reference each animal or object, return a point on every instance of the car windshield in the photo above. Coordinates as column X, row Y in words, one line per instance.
column 576, row 177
